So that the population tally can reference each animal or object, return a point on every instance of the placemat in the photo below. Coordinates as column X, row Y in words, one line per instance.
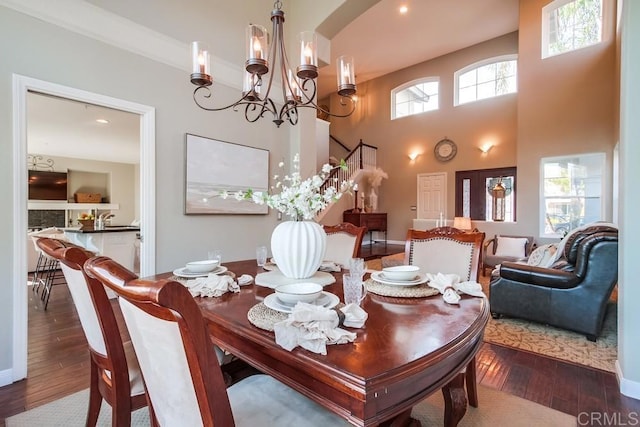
column 264, row 317
column 418, row 291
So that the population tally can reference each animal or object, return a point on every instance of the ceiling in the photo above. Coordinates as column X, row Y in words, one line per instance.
column 65, row 128
column 381, row 40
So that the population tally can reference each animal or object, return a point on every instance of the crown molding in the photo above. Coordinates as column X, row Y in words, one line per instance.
column 99, row 24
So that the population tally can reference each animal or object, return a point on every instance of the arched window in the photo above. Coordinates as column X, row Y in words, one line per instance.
column 568, row 25
column 415, row 97
column 486, row 79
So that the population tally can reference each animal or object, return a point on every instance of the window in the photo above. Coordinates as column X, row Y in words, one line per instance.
column 486, row 79
column 473, row 193
column 568, row 25
column 415, row 97
column 571, row 192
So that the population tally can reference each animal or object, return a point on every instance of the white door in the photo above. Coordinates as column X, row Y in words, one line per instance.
column 432, row 195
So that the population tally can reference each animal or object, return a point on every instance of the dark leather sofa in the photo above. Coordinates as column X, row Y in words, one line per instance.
column 572, row 294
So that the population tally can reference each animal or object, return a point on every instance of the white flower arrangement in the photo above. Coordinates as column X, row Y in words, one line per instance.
column 375, row 177
column 299, row 199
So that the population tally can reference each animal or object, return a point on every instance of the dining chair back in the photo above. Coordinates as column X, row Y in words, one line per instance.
column 344, row 242
column 183, row 379
column 449, row 250
column 115, row 374
column 445, row 250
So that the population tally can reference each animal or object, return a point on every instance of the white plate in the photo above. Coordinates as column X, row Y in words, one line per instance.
column 378, row 276
column 326, row 299
column 184, row 272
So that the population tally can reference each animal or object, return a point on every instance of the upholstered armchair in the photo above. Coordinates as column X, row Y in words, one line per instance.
column 502, row 248
column 572, row 294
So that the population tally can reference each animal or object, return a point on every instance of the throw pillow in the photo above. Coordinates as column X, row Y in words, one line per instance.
column 511, row 246
column 543, row 256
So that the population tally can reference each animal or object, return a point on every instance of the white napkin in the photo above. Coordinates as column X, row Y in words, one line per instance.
column 330, row 266
column 212, row 286
column 245, row 279
column 354, row 316
column 311, row 327
column 450, row 287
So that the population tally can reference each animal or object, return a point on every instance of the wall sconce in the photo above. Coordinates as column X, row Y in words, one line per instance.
column 413, row 156
column 486, row 148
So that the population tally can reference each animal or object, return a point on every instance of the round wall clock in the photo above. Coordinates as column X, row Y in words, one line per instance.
column 445, row 150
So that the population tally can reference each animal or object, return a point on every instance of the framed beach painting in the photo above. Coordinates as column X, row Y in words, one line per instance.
column 213, row 166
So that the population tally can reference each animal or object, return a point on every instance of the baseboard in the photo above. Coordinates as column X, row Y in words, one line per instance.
column 627, row 387
column 6, row 377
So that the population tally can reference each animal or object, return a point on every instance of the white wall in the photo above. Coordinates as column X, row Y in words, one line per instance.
column 36, row 49
column 629, row 268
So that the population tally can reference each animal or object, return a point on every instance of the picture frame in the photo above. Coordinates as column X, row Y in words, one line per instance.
column 213, row 166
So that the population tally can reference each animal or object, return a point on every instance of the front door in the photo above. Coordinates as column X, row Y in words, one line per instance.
column 432, row 195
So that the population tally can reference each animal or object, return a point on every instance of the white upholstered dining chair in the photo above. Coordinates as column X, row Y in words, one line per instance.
column 115, row 374
column 344, row 241
column 449, row 250
column 184, row 382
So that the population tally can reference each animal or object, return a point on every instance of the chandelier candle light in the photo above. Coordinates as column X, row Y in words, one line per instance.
column 298, row 90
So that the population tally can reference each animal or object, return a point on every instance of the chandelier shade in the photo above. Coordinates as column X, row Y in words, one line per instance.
column 299, row 88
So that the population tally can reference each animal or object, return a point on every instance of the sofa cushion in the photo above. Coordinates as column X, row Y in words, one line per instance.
column 511, row 247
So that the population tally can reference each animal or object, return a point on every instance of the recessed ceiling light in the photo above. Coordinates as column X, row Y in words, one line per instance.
column 403, row 9
column 103, row 121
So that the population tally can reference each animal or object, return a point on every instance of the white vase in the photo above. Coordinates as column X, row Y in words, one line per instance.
column 373, row 200
column 298, row 248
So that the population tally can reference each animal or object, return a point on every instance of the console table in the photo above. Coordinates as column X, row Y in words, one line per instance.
column 374, row 221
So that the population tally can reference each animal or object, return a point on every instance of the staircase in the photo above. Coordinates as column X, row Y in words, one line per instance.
column 361, row 158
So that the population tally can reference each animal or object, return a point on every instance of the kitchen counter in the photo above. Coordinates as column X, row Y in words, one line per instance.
column 109, row 229
column 117, row 242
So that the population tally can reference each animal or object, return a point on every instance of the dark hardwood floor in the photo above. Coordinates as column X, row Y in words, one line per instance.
column 58, row 366
column 379, row 249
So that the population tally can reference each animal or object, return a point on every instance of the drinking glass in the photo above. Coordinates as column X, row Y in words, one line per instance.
column 357, row 267
column 215, row 254
column 354, row 289
column 261, row 255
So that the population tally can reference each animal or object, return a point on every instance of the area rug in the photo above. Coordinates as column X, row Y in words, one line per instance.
column 559, row 343
column 496, row 409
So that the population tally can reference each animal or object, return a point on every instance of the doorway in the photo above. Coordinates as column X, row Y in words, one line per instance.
column 432, row 195
column 21, row 87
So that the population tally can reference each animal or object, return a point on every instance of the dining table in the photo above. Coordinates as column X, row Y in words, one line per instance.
column 408, row 349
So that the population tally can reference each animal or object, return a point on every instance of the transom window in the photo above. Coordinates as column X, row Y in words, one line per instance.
column 486, row 79
column 572, row 188
column 568, row 25
column 415, row 97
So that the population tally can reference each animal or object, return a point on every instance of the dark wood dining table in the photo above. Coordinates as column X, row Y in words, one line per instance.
column 408, row 349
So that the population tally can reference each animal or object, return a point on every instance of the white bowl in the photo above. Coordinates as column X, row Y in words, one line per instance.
column 401, row 272
column 298, row 292
column 204, row 266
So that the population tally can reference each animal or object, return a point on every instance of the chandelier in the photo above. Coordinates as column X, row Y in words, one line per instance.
column 298, row 90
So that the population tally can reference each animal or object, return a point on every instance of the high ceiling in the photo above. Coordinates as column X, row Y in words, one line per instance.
column 381, row 40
